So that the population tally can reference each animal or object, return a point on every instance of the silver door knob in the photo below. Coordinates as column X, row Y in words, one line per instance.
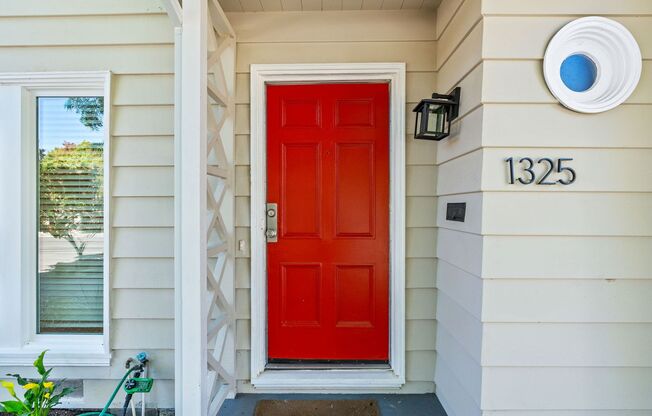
column 270, row 233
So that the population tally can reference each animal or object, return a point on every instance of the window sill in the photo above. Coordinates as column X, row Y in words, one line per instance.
column 89, row 352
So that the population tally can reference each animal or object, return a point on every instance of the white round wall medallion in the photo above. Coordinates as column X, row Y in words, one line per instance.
column 592, row 64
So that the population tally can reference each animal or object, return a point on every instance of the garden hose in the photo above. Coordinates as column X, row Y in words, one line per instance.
column 104, row 411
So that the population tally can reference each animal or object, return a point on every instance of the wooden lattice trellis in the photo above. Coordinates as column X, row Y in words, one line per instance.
column 220, row 151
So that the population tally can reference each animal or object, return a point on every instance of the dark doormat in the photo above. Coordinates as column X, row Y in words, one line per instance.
column 317, row 408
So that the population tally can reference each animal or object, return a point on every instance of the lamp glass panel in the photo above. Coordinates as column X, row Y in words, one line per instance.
column 436, row 118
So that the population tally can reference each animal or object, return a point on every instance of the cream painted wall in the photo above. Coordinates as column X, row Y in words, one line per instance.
column 543, row 293
column 361, row 36
column 567, row 318
column 459, row 245
column 134, row 40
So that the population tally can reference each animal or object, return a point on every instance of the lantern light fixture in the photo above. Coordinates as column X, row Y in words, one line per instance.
column 434, row 115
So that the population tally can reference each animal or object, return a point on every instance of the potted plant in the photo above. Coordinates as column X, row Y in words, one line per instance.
column 40, row 396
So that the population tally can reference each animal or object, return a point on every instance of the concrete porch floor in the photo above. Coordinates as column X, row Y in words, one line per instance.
column 390, row 404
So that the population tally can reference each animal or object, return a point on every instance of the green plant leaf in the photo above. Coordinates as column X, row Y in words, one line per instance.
column 39, row 363
column 14, row 407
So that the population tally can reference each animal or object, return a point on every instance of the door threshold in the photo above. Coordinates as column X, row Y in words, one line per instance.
column 327, row 366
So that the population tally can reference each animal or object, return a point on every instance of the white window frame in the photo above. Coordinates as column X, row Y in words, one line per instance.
column 20, row 343
column 327, row 380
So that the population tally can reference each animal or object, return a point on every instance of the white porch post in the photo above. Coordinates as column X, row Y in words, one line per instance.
column 192, row 227
column 205, row 209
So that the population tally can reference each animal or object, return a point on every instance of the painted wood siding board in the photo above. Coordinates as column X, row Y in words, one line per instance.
column 420, row 335
column 143, row 212
column 242, row 364
column 420, row 303
column 143, row 120
column 143, row 89
column 142, row 151
column 143, row 273
column 243, row 303
column 445, row 13
column 521, row 388
column 462, row 287
column 242, row 149
column 464, row 59
column 463, row 250
column 623, row 127
column 467, row 370
column 420, row 273
column 421, row 242
column 143, row 242
column 462, row 175
column 243, row 341
column 419, row 152
column 143, row 181
column 451, row 393
column 460, row 26
column 465, row 138
column 568, row 214
column 29, row 8
column 143, row 334
column 529, row 35
column 567, row 300
column 142, row 304
column 564, row 7
column 420, row 211
column 575, row 257
column 594, row 345
column 85, row 30
column 123, row 59
column 370, row 26
column 242, row 273
column 460, row 324
column 471, row 86
column 421, row 180
column 420, row 365
column 419, row 56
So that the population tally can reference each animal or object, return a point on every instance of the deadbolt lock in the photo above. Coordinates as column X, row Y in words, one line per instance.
column 271, row 231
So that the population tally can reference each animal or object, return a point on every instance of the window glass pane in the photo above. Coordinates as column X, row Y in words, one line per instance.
column 71, row 214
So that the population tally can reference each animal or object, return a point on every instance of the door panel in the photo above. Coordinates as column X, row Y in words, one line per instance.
column 328, row 171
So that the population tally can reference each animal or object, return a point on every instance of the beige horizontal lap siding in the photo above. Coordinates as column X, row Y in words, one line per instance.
column 133, row 40
column 566, row 270
column 341, row 37
column 458, row 371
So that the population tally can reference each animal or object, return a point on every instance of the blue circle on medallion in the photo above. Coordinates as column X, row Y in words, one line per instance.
column 578, row 72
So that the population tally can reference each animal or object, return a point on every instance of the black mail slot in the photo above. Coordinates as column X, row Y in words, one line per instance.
column 456, row 211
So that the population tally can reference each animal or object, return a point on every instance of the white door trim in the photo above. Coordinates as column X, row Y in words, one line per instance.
column 329, row 380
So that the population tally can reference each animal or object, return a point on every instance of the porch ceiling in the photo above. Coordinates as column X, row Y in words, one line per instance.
column 324, row 5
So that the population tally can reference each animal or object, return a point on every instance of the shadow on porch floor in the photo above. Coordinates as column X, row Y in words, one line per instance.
column 390, row 404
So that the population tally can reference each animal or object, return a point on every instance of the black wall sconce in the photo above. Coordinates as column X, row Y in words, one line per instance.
column 434, row 115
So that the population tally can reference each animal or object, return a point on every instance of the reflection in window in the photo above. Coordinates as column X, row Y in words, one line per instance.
column 71, row 214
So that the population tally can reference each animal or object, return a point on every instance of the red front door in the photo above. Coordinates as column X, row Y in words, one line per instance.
column 328, row 171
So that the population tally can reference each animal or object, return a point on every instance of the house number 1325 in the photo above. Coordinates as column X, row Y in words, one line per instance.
column 528, row 175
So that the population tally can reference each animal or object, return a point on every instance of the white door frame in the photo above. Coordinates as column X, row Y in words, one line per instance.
column 329, row 380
